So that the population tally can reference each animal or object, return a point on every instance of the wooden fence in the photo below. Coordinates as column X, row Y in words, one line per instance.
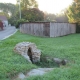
column 48, row 29
column 38, row 29
column 61, row 29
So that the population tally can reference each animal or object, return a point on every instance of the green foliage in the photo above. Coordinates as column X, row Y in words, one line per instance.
column 62, row 17
column 46, row 62
column 77, row 28
column 26, row 4
column 4, row 14
column 12, row 20
column 73, row 12
column 20, row 21
column 32, row 14
column 8, row 8
column 27, row 14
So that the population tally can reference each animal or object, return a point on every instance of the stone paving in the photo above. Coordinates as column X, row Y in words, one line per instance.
column 33, row 72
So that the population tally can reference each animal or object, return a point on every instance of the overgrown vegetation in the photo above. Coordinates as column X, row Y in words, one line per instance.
column 47, row 62
column 67, row 47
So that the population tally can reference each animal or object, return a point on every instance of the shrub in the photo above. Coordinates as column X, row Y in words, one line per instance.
column 77, row 28
column 18, row 22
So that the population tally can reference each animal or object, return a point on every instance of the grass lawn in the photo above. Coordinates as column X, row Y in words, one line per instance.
column 67, row 47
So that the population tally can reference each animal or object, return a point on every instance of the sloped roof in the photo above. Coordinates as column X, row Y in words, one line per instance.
column 2, row 18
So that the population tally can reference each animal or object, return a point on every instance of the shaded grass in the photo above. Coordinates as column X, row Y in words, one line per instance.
column 47, row 62
column 67, row 47
column 59, row 74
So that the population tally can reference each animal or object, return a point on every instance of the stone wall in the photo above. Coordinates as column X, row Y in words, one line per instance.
column 29, row 51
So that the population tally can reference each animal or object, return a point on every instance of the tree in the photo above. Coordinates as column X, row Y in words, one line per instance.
column 26, row 4
column 33, row 14
column 56, row 17
column 4, row 14
column 8, row 8
column 73, row 12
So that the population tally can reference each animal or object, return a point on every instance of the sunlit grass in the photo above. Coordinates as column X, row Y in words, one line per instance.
column 67, row 47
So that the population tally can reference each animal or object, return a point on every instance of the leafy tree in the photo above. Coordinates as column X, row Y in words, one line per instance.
column 8, row 8
column 56, row 17
column 73, row 12
column 18, row 22
column 26, row 4
column 12, row 19
column 33, row 14
column 4, row 14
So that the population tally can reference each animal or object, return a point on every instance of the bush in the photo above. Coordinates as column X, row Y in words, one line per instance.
column 18, row 22
column 77, row 28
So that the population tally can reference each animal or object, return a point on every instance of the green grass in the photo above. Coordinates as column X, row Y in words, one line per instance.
column 67, row 47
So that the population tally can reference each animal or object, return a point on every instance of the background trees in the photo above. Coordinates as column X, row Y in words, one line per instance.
column 61, row 17
column 26, row 4
column 29, row 11
column 73, row 12
column 49, row 17
column 32, row 14
column 8, row 8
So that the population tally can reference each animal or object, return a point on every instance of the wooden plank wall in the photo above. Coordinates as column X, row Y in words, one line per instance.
column 48, row 29
column 38, row 29
column 61, row 29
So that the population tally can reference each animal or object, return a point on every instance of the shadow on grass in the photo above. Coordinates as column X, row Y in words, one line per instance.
column 46, row 62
